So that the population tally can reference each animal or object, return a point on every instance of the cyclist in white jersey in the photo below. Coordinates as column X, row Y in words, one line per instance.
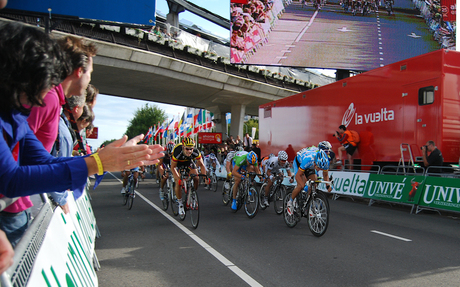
column 274, row 166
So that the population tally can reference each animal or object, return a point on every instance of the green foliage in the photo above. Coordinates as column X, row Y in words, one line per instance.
column 144, row 118
column 247, row 128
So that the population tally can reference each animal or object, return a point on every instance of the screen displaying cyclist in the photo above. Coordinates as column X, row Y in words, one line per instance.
column 164, row 165
column 306, row 166
column 186, row 155
column 274, row 166
column 242, row 161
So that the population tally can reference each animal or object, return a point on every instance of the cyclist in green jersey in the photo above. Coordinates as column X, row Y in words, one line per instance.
column 246, row 161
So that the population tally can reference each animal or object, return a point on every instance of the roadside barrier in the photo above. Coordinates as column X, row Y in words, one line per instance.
column 57, row 249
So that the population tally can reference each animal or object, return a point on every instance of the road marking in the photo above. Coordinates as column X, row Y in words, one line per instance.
column 235, row 269
column 306, row 27
column 392, row 236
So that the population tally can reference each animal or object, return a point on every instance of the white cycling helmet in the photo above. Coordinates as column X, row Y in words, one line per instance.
column 282, row 155
column 325, row 145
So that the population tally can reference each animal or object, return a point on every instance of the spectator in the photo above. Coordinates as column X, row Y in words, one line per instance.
column 30, row 64
column 434, row 158
column 6, row 253
column 247, row 143
column 238, row 142
column 231, row 142
column 346, row 139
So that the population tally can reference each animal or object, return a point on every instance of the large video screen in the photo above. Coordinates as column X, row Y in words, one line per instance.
column 134, row 12
column 338, row 34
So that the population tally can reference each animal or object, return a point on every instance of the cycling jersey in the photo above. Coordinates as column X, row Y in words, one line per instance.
column 304, row 161
column 209, row 160
column 263, row 164
column 230, row 156
column 274, row 166
column 181, row 159
column 240, row 159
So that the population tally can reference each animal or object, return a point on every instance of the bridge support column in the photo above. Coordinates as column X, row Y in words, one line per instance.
column 173, row 16
column 237, row 122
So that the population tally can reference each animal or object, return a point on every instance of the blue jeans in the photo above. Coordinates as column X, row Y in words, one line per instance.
column 14, row 225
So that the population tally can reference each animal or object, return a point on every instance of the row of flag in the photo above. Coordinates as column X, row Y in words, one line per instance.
column 191, row 122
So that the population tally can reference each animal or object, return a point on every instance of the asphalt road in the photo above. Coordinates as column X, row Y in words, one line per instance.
column 378, row 245
column 333, row 38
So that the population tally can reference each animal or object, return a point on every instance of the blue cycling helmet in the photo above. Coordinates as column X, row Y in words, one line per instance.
column 322, row 160
column 252, row 157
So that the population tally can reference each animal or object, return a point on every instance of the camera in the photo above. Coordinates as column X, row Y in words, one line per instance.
column 426, row 147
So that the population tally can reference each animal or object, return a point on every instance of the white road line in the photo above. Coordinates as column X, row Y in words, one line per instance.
column 306, row 27
column 392, row 236
column 235, row 269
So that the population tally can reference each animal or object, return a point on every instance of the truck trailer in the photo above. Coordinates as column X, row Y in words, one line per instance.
column 395, row 109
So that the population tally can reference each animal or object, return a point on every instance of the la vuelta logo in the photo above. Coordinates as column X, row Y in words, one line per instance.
column 380, row 116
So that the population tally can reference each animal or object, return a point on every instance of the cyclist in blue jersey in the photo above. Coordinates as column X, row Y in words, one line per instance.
column 246, row 161
column 306, row 165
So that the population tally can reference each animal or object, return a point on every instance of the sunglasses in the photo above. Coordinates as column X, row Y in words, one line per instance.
column 189, row 148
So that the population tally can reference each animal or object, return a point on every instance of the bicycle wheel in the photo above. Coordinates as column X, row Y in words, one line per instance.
column 184, row 199
column 165, row 200
column 290, row 220
column 173, row 199
column 318, row 214
column 125, row 197
column 239, row 199
column 278, row 199
column 213, row 186
column 226, row 192
column 251, row 202
column 261, row 196
column 194, row 208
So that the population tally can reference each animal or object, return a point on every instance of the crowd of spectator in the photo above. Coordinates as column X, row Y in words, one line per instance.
column 251, row 24
column 45, row 110
column 444, row 31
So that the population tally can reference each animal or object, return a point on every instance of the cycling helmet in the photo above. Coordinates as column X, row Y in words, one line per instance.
column 212, row 156
column 252, row 157
column 325, row 145
column 188, row 141
column 239, row 148
column 322, row 160
column 282, row 155
column 271, row 155
column 170, row 147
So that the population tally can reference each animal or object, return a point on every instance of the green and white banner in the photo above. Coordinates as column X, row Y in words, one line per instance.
column 441, row 193
column 66, row 256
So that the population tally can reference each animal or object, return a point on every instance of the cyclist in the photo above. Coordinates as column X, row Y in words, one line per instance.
column 210, row 161
column 228, row 162
column 184, row 155
column 242, row 160
column 126, row 174
column 163, row 166
column 274, row 166
column 306, row 165
column 263, row 163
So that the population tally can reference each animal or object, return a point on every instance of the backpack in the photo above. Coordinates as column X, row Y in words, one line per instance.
column 355, row 136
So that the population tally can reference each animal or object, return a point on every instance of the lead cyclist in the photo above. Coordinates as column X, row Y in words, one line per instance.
column 306, row 166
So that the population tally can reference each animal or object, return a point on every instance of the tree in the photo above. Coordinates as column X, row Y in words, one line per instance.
column 144, row 118
column 247, row 127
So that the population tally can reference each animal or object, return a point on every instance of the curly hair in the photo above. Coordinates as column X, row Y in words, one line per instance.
column 30, row 63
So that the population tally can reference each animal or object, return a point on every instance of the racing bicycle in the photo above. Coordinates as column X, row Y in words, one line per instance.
column 128, row 196
column 314, row 206
column 276, row 193
column 189, row 197
column 169, row 191
column 227, row 191
column 212, row 179
column 247, row 195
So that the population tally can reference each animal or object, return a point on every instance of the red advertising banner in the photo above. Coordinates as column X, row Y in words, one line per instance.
column 449, row 10
column 239, row 1
column 210, row 138
column 93, row 134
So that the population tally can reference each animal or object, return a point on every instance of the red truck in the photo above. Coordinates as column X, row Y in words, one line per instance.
column 408, row 102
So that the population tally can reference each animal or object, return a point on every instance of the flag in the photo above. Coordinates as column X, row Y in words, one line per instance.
column 208, row 120
column 157, row 131
column 198, row 122
column 182, row 120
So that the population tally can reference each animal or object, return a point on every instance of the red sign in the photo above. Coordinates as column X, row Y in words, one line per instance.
column 93, row 135
column 449, row 10
column 210, row 138
column 239, row 1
